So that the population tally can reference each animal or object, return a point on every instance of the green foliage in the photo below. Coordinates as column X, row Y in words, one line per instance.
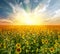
column 31, row 43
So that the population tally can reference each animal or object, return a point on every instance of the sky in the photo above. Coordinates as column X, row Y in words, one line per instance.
column 30, row 12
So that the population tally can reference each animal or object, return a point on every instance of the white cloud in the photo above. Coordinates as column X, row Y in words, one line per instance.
column 56, row 15
column 42, row 7
column 57, row 12
column 55, row 19
column 16, row 8
column 4, row 21
column 26, row 1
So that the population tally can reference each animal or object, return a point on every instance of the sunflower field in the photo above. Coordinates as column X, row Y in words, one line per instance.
column 29, row 41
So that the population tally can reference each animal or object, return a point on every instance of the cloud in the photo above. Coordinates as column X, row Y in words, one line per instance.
column 42, row 7
column 53, row 15
column 57, row 13
column 55, row 19
column 5, row 22
column 19, row 14
column 26, row 1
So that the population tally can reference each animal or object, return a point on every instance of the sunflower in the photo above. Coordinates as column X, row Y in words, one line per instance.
column 18, row 45
column 1, row 44
column 56, row 41
column 51, row 49
column 34, row 41
column 46, row 41
column 42, row 40
column 5, row 46
column 56, row 45
column 58, row 36
column 46, row 49
column 27, row 42
column 23, row 36
column 18, row 50
column 7, row 39
column 37, row 50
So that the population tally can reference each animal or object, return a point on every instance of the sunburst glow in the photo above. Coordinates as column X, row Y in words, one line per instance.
column 27, row 19
column 30, row 12
column 22, row 17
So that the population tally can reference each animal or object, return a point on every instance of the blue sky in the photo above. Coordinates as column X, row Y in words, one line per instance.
column 50, row 7
column 5, row 7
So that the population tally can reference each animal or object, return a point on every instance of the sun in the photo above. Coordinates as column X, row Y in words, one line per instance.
column 28, row 22
column 27, row 19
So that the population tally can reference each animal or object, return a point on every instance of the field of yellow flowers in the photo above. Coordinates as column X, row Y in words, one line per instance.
column 29, row 40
